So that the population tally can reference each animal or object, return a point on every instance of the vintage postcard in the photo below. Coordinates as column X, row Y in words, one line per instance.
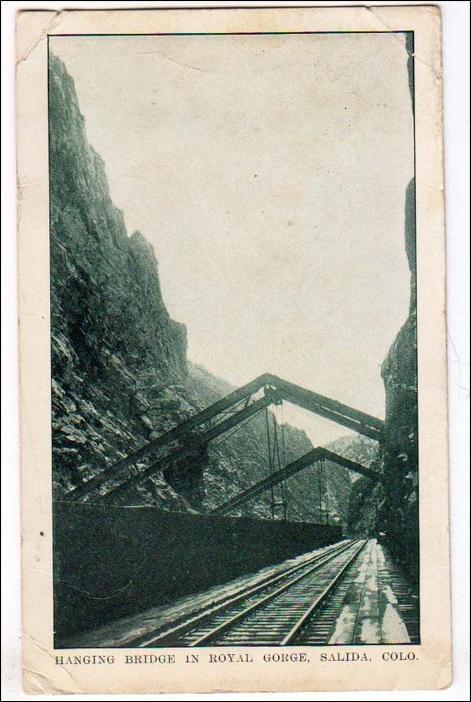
column 232, row 348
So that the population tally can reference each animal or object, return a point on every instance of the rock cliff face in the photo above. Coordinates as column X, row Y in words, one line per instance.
column 119, row 366
column 366, row 498
column 113, row 342
column 392, row 508
column 399, row 518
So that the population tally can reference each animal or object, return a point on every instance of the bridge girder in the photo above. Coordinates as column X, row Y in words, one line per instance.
column 275, row 390
column 308, row 459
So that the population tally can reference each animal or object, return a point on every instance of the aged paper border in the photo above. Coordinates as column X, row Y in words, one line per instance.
column 432, row 667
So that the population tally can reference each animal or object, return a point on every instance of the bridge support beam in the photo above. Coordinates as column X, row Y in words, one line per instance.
column 291, row 469
column 275, row 388
column 194, row 443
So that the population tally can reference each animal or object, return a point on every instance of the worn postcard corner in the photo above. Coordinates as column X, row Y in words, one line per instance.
column 232, row 350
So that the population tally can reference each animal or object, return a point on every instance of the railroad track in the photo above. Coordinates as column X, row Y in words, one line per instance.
column 321, row 629
column 277, row 611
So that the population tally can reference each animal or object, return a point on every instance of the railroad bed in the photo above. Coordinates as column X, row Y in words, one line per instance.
column 347, row 593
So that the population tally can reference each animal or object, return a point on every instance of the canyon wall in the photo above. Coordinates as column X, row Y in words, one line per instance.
column 392, row 509
column 399, row 517
column 120, row 372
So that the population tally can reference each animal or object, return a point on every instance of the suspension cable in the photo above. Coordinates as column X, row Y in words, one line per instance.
column 326, row 488
column 281, row 465
column 283, row 450
column 320, row 488
column 283, row 445
column 276, row 447
column 270, row 467
column 217, row 442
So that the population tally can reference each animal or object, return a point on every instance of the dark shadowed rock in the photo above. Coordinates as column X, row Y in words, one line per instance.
column 399, row 372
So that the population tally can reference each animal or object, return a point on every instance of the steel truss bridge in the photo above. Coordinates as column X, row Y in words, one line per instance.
column 191, row 437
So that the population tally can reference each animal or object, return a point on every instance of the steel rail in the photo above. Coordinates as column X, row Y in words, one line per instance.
column 296, row 628
column 183, row 626
column 224, row 626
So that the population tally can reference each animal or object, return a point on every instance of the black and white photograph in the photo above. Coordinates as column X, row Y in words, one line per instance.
column 237, row 351
column 233, row 340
